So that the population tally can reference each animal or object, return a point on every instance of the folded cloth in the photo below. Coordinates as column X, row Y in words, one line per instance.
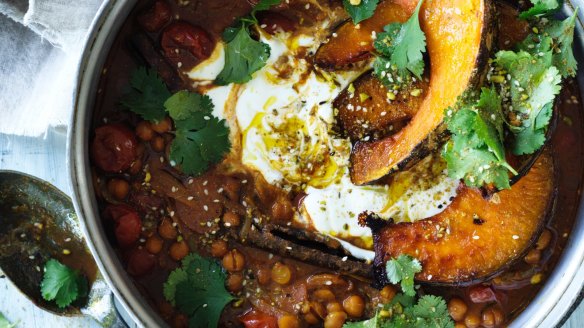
column 40, row 48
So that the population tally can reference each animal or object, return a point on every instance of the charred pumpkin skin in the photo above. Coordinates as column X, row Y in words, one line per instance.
column 350, row 44
column 474, row 238
column 375, row 116
column 459, row 42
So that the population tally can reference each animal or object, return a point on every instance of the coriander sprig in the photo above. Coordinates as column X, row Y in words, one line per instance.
column 201, row 139
column 400, row 50
column 244, row 55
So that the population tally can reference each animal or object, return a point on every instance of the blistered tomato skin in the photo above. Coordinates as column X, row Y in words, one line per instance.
column 256, row 319
column 128, row 224
column 113, row 148
column 140, row 262
column 186, row 45
column 156, row 17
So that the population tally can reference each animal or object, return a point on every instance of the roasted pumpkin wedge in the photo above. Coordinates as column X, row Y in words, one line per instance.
column 474, row 238
column 350, row 44
column 364, row 108
column 459, row 40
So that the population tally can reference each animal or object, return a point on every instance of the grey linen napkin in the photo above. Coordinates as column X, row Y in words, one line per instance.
column 40, row 47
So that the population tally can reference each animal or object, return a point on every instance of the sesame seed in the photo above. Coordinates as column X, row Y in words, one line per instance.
column 205, row 182
column 190, row 198
column 515, row 237
column 206, row 208
column 66, row 252
column 475, row 237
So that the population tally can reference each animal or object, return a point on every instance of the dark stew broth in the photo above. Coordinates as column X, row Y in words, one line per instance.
column 173, row 214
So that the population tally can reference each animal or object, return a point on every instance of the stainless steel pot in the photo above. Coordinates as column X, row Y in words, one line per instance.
column 560, row 295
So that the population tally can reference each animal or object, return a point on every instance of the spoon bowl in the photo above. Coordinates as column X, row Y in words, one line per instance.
column 38, row 223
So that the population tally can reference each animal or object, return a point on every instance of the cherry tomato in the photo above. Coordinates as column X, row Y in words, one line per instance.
column 156, row 17
column 140, row 262
column 186, row 45
column 257, row 319
column 482, row 294
column 273, row 22
column 128, row 224
column 113, row 148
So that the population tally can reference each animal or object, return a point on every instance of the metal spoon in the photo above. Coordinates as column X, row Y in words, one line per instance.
column 37, row 223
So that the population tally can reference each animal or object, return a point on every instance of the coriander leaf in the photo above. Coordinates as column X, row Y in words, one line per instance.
column 402, row 270
column 199, row 144
column 183, row 104
column 243, row 57
column 430, row 311
column 197, row 288
column 562, row 34
column 404, row 312
column 62, row 284
column 404, row 44
column 361, row 11
column 147, row 96
column 533, row 84
column 475, row 152
column 540, row 7
column 264, row 5
column 4, row 323
column 553, row 44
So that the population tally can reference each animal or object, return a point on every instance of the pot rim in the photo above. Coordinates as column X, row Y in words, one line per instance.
column 559, row 297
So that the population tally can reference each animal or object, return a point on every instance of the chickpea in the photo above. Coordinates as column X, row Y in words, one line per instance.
column 144, row 131
column 233, row 261
column 472, row 320
column 163, row 126
column 157, row 144
column 492, row 317
column 288, row 321
column 219, row 248
column 179, row 250
column 335, row 320
column 459, row 325
column 281, row 273
column 234, row 282
column 387, row 293
column 118, row 188
column 311, row 319
column 533, row 256
column 264, row 276
column 324, row 295
column 457, row 308
column 166, row 230
column 354, row 305
column 544, row 240
column 231, row 219
column 154, row 244
column 334, row 307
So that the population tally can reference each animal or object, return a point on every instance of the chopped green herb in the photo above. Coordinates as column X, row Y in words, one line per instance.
column 540, row 7
column 402, row 270
column 197, row 288
column 4, row 323
column 554, row 38
column 147, row 96
column 360, row 10
column 475, row 151
column 403, row 312
column 401, row 48
column 201, row 139
column 533, row 86
column 62, row 284
column 244, row 55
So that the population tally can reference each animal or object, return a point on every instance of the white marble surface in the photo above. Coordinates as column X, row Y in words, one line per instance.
column 46, row 159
